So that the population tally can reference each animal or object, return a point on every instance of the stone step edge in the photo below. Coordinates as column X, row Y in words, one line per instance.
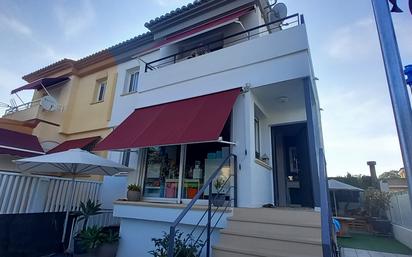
column 251, row 252
column 233, row 218
column 283, row 238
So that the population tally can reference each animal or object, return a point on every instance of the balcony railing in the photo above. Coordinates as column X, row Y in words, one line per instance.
column 245, row 35
column 22, row 107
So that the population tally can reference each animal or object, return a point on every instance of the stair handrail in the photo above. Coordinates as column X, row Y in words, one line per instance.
column 206, row 185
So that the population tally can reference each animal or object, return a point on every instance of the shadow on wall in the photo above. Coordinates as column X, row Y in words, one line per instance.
column 31, row 235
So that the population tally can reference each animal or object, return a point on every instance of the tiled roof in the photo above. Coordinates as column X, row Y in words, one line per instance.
column 184, row 8
column 60, row 62
column 117, row 46
column 111, row 49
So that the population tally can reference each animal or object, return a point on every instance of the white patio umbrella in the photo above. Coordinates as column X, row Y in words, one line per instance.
column 74, row 162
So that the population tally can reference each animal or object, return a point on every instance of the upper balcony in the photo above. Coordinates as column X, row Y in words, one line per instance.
column 268, row 53
column 35, row 110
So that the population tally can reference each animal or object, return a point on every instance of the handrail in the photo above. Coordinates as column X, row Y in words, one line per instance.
column 202, row 190
column 28, row 105
column 300, row 20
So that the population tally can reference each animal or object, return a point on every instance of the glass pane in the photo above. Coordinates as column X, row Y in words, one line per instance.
column 131, row 82
column 201, row 161
column 135, row 81
column 162, row 172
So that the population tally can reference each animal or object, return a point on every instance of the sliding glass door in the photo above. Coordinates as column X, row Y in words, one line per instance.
column 176, row 173
column 162, row 172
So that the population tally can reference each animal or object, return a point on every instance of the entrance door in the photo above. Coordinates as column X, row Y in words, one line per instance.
column 292, row 174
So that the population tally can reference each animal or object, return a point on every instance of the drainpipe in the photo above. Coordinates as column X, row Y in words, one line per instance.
column 396, row 82
column 372, row 170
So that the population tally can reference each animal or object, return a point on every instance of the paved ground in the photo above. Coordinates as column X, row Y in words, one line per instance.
column 348, row 252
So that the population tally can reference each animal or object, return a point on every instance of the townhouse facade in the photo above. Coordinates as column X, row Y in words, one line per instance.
column 217, row 100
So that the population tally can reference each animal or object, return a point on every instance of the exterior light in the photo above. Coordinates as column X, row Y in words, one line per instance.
column 283, row 99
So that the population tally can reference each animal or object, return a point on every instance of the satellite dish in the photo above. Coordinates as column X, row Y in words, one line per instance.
column 49, row 103
column 278, row 11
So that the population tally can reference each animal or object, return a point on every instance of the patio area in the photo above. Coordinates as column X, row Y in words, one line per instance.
column 350, row 252
column 369, row 242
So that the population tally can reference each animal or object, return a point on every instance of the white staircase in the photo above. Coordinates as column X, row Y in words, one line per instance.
column 271, row 232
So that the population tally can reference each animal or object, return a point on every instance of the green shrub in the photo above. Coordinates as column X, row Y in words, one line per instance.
column 186, row 247
column 134, row 187
column 376, row 202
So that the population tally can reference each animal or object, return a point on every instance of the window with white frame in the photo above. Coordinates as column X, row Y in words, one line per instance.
column 126, row 157
column 257, row 138
column 132, row 80
column 101, row 90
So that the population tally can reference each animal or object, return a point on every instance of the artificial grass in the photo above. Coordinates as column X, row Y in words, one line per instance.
column 374, row 243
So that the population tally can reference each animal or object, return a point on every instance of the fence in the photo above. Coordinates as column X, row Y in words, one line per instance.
column 20, row 193
column 400, row 210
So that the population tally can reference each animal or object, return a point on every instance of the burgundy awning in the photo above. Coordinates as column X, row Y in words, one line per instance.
column 82, row 143
column 47, row 82
column 193, row 120
column 19, row 144
column 206, row 26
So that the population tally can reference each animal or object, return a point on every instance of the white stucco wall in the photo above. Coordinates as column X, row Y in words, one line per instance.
column 273, row 58
column 139, row 224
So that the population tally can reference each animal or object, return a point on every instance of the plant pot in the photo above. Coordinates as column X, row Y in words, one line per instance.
column 78, row 247
column 382, row 226
column 107, row 250
column 218, row 200
column 134, row 195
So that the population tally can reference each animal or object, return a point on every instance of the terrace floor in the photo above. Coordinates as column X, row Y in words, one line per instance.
column 350, row 252
column 373, row 243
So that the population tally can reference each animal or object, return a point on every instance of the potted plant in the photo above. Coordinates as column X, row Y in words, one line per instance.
column 134, row 192
column 91, row 238
column 376, row 205
column 109, row 246
column 218, row 199
column 88, row 209
column 184, row 247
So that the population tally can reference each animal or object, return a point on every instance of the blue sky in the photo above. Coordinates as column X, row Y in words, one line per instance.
column 357, row 119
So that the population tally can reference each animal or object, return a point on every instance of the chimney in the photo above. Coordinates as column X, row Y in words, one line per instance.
column 372, row 170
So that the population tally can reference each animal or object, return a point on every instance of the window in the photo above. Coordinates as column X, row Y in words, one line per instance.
column 101, row 90
column 257, row 139
column 132, row 81
column 162, row 172
column 126, row 157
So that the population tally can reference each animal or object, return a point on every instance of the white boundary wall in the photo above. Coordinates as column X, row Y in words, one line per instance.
column 20, row 193
column 401, row 216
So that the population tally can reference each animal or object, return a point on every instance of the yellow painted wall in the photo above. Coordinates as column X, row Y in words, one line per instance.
column 84, row 113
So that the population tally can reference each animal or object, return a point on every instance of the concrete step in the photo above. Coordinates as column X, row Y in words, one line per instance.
column 270, row 234
column 270, row 245
column 287, row 216
column 273, row 228
column 223, row 251
column 274, row 232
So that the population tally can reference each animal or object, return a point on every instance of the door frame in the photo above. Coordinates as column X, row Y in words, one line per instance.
column 276, row 192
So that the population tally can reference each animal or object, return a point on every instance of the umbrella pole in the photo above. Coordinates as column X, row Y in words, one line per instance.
column 334, row 201
column 69, row 203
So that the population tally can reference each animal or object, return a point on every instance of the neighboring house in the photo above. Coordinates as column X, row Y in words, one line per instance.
column 394, row 185
column 72, row 100
column 216, row 79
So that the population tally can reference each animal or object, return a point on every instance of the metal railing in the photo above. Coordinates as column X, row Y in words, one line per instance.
column 245, row 35
column 210, row 213
column 22, row 107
